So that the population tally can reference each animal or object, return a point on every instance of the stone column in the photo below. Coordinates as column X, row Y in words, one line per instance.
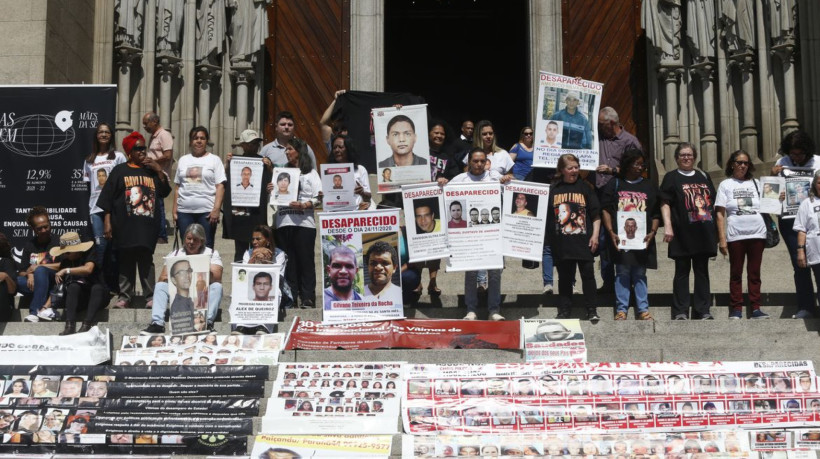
column 204, row 74
column 748, row 131
column 785, row 52
column 127, row 57
column 670, row 75
column 168, row 66
column 708, row 140
column 367, row 45
column 242, row 74
column 545, row 43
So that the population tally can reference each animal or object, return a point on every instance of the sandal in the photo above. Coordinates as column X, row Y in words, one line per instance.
column 620, row 315
column 644, row 315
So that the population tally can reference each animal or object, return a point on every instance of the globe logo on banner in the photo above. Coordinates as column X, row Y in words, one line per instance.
column 38, row 136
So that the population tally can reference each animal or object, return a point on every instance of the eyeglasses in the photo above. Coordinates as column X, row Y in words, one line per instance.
column 187, row 272
column 743, row 163
column 528, row 133
column 138, row 148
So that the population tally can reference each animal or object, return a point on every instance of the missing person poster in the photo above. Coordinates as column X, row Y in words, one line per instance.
column 478, row 245
column 361, row 266
column 246, row 181
column 631, row 228
column 255, row 294
column 338, row 185
column 427, row 236
column 276, row 446
column 285, row 186
column 798, row 181
column 566, row 120
column 771, row 188
column 553, row 340
column 402, row 147
column 525, row 218
column 188, row 280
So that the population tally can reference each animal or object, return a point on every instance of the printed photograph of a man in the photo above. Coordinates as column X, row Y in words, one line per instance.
column 382, row 262
column 182, row 307
column 474, row 217
column 577, row 132
column 261, row 288
column 553, row 331
column 456, row 213
column 630, row 228
column 426, row 213
column 554, row 131
column 401, row 136
column 337, row 182
column 341, row 274
column 522, row 206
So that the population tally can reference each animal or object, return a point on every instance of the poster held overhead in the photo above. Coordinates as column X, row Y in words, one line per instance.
column 402, row 147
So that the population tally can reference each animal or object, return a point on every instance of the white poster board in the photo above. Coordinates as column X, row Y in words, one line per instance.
column 425, row 217
column 338, row 185
column 246, row 181
column 478, row 246
column 285, row 186
column 255, row 294
column 402, row 147
column 188, row 281
column 526, row 206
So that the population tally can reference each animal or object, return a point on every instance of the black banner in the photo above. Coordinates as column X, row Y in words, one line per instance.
column 127, row 443
column 145, row 372
column 45, row 134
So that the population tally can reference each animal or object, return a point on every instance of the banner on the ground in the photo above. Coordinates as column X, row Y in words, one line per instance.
column 285, row 186
column 361, row 266
column 45, row 134
column 275, row 446
column 404, row 334
column 427, row 236
column 566, row 120
column 402, row 147
column 525, row 218
column 188, row 280
column 89, row 348
column 553, row 340
column 338, row 185
column 339, row 397
column 771, row 188
column 255, row 294
column 210, row 349
column 478, row 246
column 246, row 181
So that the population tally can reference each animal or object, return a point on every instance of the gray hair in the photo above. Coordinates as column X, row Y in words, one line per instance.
column 609, row 114
column 198, row 231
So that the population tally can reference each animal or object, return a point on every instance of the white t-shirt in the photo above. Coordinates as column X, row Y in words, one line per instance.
column 215, row 258
column 806, row 221
column 742, row 203
column 786, row 161
column 362, row 179
column 99, row 169
column 309, row 187
column 500, row 161
column 487, row 176
column 196, row 179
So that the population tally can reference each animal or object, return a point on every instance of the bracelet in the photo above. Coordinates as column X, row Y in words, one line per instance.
column 801, row 247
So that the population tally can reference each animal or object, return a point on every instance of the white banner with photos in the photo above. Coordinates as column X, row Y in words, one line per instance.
column 427, row 235
column 478, row 245
column 210, row 349
column 524, row 219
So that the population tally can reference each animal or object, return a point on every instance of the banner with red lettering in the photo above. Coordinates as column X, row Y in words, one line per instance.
column 478, row 245
column 427, row 236
column 407, row 334
column 361, row 266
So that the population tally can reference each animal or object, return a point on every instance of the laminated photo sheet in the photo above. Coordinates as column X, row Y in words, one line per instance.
column 427, row 222
column 338, row 185
column 524, row 219
column 478, row 246
column 190, row 349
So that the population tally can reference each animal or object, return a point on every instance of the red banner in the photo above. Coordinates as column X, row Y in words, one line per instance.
column 406, row 334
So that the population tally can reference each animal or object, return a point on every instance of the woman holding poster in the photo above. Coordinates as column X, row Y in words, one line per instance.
column 572, row 232
column 630, row 193
column 296, row 226
column 343, row 151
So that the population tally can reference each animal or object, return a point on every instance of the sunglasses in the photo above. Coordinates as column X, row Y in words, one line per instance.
column 743, row 163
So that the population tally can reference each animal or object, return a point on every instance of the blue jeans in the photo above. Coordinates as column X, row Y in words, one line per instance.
column 410, row 280
column 626, row 276
column 184, row 219
column 493, row 291
column 802, row 276
column 481, row 276
column 546, row 264
column 163, row 231
column 161, row 302
column 43, row 280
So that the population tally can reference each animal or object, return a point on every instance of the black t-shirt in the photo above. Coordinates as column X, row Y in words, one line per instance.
column 35, row 253
column 89, row 255
column 569, row 224
column 8, row 266
column 238, row 222
column 444, row 163
column 618, row 195
column 130, row 195
column 692, row 202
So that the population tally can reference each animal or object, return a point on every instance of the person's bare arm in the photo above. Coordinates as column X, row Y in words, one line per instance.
column 220, row 195
column 163, row 276
column 324, row 121
column 84, row 270
column 607, row 218
column 721, row 230
column 11, row 283
column 666, row 213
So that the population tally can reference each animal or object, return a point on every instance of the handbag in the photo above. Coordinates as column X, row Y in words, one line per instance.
column 772, row 236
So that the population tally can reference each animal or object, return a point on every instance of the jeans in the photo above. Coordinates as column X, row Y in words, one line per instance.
column 739, row 252
column 802, row 276
column 493, row 291
column 410, row 280
column 566, row 276
column 43, row 280
column 185, row 219
column 163, row 231
column 680, row 285
column 546, row 264
column 161, row 302
column 625, row 277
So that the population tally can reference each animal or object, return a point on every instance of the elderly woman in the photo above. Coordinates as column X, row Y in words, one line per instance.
column 129, row 199
column 194, row 244
column 200, row 181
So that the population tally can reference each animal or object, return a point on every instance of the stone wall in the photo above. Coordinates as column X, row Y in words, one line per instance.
column 69, row 42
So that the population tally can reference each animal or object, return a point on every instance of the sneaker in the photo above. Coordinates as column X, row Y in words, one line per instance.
column 258, row 330
column 31, row 318
column 562, row 314
column 547, row 289
column 592, row 316
column 644, row 315
column 153, row 329
column 210, row 326
column 803, row 314
column 620, row 315
column 681, row 317
column 706, row 316
column 575, row 290
column 307, row 304
column 470, row 316
column 46, row 314
column 496, row 316
column 758, row 314
column 736, row 314
column 162, row 240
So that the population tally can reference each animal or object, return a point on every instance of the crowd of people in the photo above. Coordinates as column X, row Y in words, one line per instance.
column 127, row 216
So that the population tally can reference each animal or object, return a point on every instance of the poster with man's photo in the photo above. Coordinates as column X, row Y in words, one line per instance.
column 798, row 181
column 402, row 147
column 246, row 181
column 525, row 218
column 771, row 188
column 361, row 267
column 631, row 229
column 566, row 120
column 338, row 185
column 553, row 340
column 427, row 235
column 478, row 246
column 255, row 294
column 188, row 280
column 285, row 186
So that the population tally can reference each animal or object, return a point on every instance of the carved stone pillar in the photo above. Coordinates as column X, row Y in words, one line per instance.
column 785, row 51
column 748, row 130
column 670, row 74
column 205, row 73
column 243, row 75
column 708, row 141
column 127, row 56
column 168, row 66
